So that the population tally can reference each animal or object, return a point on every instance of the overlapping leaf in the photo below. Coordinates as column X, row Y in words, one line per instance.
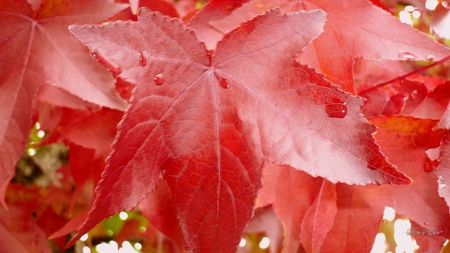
column 354, row 29
column 281, row 185
column 36, row 48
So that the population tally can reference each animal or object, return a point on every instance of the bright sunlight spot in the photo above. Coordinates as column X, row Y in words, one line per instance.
column 242, row 243
column 127, row 248
column 416, row 14
column 405, row 17
column 84, row 237
column 40, row 134
column 379, row 246
column 264, row 243
column 138, row 246
column 123, row 215
column 389, row 214
column 86, row 249
column 431, row 4
column 404, row 241
column 31, row 152
column 112, row 247
column 38, row 125
column 409, row 8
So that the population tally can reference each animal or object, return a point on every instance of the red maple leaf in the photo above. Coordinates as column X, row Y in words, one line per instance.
column 209, row 123
column 37, row 48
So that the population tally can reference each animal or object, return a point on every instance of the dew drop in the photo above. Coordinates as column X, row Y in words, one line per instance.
column 413, row 95
column 93, row 55
column 407, row 56
column 158, row 79
column 441, row 183
column 336, row 109
column 224, row 83
column 431, row 58
column 111, row 66
column 428, row 167
column 142, row 59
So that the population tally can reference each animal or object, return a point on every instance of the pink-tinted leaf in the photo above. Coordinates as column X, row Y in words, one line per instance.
column 370, row 72
column 71, row 226
column 159, row 209
column 319, row 218
column 97, row 131
column 134, row 5
column 20, row 233
column 155, row 5
column 291, row 193
column 443, row 170
column 60, row 97
column 430, row 239
column 418, row 96
column 411, row 132
column 251, row 9
column 359, row 213
column 214, row 10
column 440, row 21
column 37, row 48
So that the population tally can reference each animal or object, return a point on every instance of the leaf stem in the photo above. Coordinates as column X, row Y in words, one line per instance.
column 411, row 73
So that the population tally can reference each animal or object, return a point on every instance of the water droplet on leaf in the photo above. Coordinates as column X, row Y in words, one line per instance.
column 93, row 55
column 407, row 56
column 441, row 183
column 158, row 79
column 428, row 165
column 224, row 83
column 142, row 59
column 336, row 109
column 431, row 58
column 413, row 95
column 111, row 66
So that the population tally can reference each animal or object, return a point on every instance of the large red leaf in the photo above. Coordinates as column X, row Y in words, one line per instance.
column 209, row 123
column 37, row 48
